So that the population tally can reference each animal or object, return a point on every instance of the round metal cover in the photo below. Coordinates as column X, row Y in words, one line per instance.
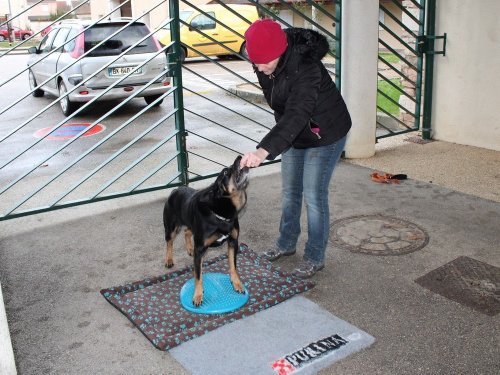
column 377, row 235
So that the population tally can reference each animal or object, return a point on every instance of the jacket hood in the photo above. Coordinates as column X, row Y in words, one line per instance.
column 309, row 44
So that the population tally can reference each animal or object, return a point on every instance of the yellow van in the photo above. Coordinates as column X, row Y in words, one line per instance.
column 199, row 21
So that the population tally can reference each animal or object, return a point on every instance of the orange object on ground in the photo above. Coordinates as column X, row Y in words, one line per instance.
column 388, row 178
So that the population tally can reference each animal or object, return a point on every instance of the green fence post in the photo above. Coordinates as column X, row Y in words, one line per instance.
column 429, row 70
column 420, row 59
column 338, row 43
column 174, row 58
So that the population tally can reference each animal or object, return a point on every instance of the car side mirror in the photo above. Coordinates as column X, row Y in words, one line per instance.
column 194, row 26
column 32, row 50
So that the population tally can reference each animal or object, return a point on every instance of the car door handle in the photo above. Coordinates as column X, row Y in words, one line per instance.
column 215, row 34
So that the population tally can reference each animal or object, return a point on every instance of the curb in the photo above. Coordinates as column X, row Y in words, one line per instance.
column 15, row 51
column 249, row 92
column 251, row 95
column 7, row 362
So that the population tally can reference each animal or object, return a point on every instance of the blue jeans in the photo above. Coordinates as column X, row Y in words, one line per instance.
column 307, row 172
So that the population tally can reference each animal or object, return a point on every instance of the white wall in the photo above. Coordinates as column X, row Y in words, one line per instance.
column 154, row 18
column 466, row 91
column 16, row 7
column 359, row 74
column 7, row 362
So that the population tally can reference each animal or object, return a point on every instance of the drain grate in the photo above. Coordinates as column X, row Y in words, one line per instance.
column 377, row 235
column 418, row 140
column 467, row 281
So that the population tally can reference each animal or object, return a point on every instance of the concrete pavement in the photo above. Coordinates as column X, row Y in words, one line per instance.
column 53, row 265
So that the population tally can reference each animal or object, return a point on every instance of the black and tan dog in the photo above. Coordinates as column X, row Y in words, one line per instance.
column 207, row 215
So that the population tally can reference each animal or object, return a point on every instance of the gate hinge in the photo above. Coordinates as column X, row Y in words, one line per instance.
column 423, row 44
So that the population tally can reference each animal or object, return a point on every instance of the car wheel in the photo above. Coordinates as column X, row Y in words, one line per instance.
column 37, row 93
column 67, row 106
column 25, row 36
column 243, row 51
column 183, row 54
column 150, row 99
column 2, row 38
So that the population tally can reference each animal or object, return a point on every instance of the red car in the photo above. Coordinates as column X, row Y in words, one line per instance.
column 19, row 33
column 48, row 28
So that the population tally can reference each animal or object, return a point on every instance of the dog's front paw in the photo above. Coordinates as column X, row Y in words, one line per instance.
column 238, row 286
column 198, row 299
column 169, row 263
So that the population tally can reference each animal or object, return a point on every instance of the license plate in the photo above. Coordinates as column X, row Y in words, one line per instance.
column 122, row 70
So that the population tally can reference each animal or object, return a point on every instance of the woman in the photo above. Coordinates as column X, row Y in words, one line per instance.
column 312, row 121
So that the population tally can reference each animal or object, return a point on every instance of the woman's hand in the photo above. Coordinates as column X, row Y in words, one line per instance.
column 253, row 159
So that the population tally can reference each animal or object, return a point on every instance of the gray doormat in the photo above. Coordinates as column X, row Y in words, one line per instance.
column 294, row 337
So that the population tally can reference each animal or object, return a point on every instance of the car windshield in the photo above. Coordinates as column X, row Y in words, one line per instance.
column 120, row 42
column 183, row 15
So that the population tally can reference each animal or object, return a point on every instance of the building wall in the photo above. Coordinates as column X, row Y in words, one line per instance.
column 467, row 83
column 152, row 18
column 391, row 24
column 16, row 7
column 40, row 14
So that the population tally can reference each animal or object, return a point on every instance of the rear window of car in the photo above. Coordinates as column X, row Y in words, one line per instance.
column 183, row 15
column 119, row 42
column 60, row 38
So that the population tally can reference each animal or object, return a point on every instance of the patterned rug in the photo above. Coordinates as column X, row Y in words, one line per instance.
column 153, row 305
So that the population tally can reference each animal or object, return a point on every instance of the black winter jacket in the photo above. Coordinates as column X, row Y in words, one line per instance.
column 303, row 96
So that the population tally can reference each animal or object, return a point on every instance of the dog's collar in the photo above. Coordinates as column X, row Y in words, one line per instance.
column 221, row 218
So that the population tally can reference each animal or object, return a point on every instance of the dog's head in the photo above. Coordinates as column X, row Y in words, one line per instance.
column 240, row 174
column 233, row 178
column 230, row 182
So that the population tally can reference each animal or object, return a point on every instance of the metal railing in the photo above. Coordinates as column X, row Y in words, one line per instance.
column 400, row 68
column 189, row 138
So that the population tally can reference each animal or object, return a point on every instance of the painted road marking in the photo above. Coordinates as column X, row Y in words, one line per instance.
column 68, row 131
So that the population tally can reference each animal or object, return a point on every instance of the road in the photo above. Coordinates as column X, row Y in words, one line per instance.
column 128, row 153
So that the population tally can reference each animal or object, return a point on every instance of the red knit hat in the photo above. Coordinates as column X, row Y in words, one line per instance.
column 265, row 41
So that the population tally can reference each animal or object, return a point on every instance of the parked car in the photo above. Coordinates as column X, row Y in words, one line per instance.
column 199, row 21
column 46, row 30
column 48, row 69
column 18, row 33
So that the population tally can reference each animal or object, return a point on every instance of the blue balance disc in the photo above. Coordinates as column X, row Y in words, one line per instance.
column 219, row 297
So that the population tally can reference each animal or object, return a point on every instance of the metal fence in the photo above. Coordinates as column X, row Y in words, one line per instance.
column 106, row 150
column 400, row 67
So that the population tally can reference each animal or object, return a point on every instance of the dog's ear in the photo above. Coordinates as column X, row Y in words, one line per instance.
column 219, row 188
column 207, row 197
column 216, row 190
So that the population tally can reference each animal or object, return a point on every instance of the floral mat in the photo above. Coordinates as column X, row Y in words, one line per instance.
column 153, row 305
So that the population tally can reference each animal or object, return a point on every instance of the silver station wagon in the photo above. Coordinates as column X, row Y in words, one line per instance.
column 92, row 74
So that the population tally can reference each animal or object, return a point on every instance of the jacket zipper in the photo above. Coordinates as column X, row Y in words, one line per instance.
column 271, row 76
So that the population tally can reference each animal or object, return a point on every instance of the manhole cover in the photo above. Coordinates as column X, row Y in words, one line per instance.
column 468, row 282
column 377, row 235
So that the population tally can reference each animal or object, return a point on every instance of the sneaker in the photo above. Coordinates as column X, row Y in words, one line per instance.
column 307, row 269
column 275, row 253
